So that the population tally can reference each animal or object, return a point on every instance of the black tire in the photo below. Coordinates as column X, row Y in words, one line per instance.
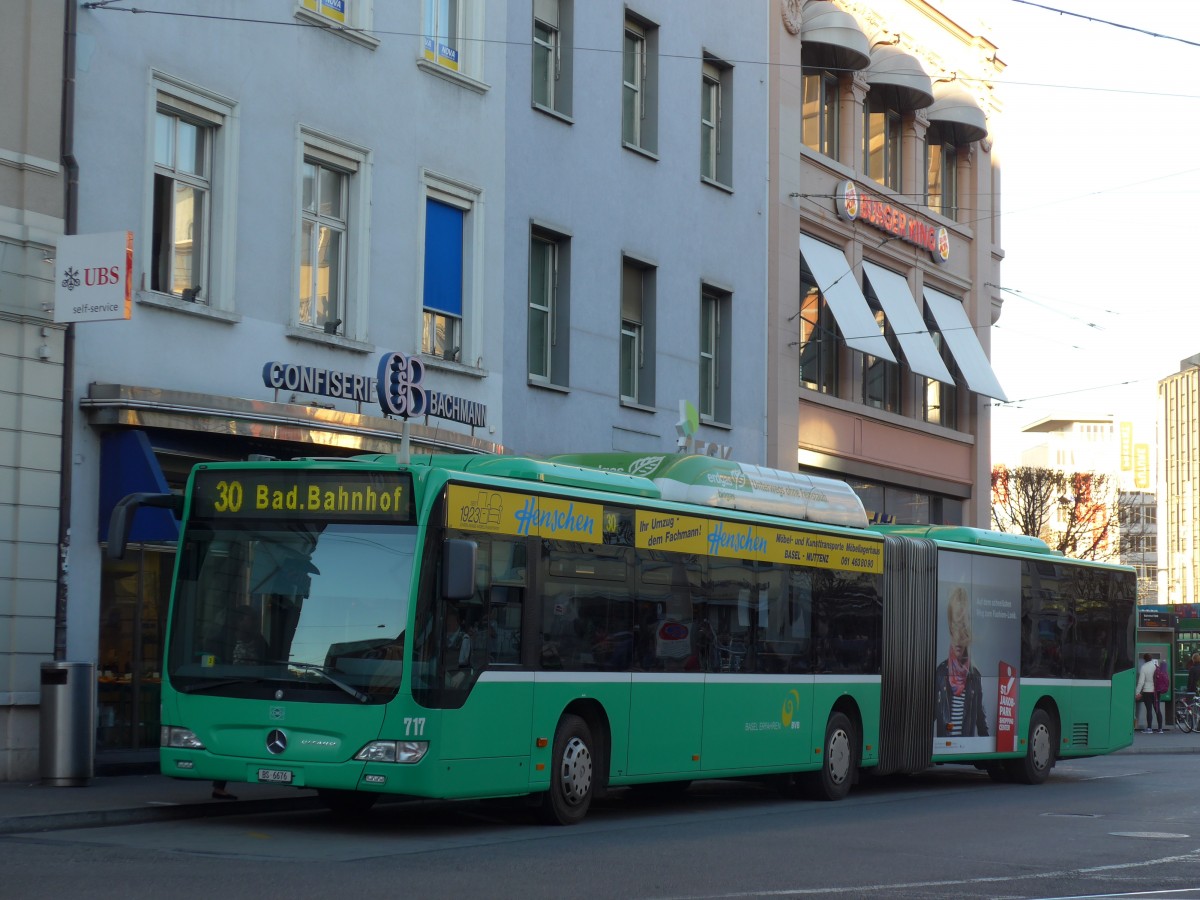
column 839, row 763
column 1041, row 750
column 572, row 773
column 346, row 803
column 1183, row 718
column 998, row 772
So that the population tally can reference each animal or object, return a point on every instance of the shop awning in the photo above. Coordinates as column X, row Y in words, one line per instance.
column 907, row 323
column 832, row 39
column 957, row 114
column 128, row 466
column 836, row 280
column 959, row 334
column 899, row 78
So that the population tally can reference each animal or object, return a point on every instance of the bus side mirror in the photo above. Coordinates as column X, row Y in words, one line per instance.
column 121, row 521
column 458, row 569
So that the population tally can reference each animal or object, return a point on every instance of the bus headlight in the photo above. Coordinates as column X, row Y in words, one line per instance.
column 179, row 738
column 393, row 751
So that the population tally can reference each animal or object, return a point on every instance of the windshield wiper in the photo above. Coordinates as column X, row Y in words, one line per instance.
column 213, row 685
column 323, row 671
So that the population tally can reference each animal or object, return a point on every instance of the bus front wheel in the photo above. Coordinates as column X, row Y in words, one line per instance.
column 1034, row 767
column 839, row 763
column 572, row 774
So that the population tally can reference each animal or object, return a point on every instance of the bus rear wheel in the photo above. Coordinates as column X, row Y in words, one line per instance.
column 572, row 775
column 839, row 764
column 1034, row 767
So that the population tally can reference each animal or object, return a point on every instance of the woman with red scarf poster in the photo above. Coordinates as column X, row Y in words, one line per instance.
column 959, row 688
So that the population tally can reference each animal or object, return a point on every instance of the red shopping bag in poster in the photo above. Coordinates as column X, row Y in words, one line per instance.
column 1006, row 703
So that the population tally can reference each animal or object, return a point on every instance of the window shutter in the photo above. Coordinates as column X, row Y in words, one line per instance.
column 443, row 258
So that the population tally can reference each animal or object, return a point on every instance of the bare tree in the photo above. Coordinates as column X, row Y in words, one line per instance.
column 1076, row 513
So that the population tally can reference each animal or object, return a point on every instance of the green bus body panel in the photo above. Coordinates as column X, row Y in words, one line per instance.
column 666, row 718
column 756, row 724
column 978, row 537
column 498, row 718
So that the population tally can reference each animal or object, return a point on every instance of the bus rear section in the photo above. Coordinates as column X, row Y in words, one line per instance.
column 1029, row 654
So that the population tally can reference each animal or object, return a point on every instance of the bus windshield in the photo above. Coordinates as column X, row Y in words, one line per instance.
column 267, row 604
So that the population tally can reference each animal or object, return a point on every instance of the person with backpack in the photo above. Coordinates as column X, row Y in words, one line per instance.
column 1162, row 684
column 1144, row 691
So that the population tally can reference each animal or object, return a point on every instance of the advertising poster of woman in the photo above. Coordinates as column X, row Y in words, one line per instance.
column 978, row 654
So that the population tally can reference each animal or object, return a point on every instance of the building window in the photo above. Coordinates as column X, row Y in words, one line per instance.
column 549, row 306
column 452, row 35
column 716, row 132
column 941, row 399
column 819, row 125
column 881, row 143
column 881, row 378
column 451, row 280
column 332, row 255
column 637, row 333
column 190, row 218
column 182, row 197
column 818, row 339
column 639, row 96
column 715, row 350
column 441, row 331
column 552, row 21
column 941, row 178
column 323, row 225
column 350, row 18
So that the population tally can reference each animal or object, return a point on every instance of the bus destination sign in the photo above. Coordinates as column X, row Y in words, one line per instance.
column 302, row 493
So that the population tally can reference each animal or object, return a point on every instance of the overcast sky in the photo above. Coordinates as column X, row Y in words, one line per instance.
column 1101, row 226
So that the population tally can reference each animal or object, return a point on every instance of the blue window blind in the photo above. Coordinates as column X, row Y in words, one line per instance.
column 443, row 258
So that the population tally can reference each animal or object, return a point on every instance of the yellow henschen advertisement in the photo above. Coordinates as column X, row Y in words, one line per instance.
column 473, row 508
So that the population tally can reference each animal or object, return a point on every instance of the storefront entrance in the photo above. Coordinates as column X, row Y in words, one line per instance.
column 134, row 593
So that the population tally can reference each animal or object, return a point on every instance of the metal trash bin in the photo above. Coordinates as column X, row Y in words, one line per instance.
column 67, row 735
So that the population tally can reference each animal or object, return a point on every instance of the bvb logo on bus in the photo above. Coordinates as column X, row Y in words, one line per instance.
column 791, row 705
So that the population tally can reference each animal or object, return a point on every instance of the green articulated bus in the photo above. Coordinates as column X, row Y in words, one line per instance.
column 464, row 626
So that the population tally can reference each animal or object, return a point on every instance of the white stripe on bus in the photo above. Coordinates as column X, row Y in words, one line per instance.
column 494, row 675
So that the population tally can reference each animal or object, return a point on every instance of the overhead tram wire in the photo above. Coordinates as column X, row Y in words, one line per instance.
column 106, row 6
column 1145, row 31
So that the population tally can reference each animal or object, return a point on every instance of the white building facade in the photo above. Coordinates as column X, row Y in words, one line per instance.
column 32, row 217
column 291, row 226
column 636, row 142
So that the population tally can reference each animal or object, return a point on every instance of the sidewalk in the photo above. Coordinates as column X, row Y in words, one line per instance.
column 135, row 799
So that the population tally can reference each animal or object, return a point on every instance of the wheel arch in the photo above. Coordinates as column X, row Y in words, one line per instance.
column 594, row 714
column 848, row 706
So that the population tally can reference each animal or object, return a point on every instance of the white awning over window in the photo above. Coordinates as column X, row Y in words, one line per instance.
column 899, row 78
column 907, row 323
column 832, row 39
column 836, row 280
column 957, row 114
column 958, row 332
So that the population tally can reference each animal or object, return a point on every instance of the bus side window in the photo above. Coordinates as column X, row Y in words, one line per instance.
column 505, row 604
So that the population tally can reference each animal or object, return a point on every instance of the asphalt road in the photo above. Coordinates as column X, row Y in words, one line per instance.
column 1125, row 825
